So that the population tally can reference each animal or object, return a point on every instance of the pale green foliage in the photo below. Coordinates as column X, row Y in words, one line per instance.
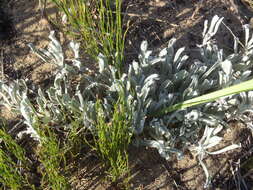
column 150, row 85
column 14, row 97
column 209, row 140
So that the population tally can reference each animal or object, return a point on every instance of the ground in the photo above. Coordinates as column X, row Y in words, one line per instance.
column 156, row 21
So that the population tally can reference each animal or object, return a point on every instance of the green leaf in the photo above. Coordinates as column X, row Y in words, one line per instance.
column 236, row 89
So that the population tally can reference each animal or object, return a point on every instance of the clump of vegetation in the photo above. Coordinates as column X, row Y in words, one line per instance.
column 159, row 99
column 52, row 158
column 97, row 24
column 112, row 139
column 13, row 163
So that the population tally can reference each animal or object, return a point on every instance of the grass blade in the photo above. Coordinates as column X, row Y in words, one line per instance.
column 235, row 89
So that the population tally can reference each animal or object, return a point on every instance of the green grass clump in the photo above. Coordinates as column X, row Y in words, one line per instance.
column 112, row 139
column 98, row 25
column 52, row 158
column 12, row 162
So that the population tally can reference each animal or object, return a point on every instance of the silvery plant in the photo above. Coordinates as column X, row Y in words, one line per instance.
column 149, row 85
